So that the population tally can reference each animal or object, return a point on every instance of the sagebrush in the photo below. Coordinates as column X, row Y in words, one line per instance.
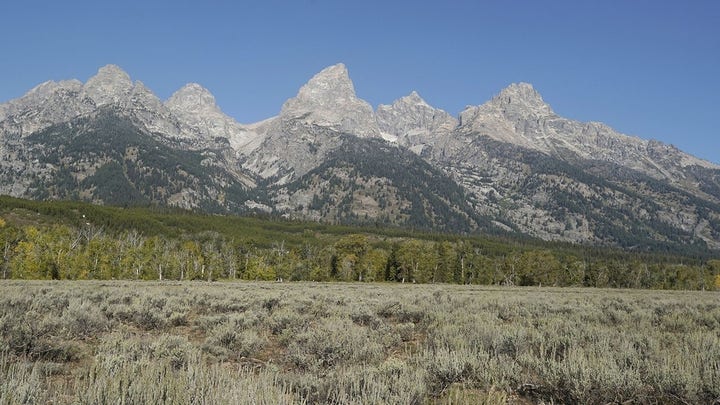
column 197, row 342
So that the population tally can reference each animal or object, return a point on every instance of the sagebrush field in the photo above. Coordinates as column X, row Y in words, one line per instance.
column 114, row 342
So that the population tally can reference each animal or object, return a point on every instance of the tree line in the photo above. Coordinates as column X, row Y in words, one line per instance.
column 88, row 251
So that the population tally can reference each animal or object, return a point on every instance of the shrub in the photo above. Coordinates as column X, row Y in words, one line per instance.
column 82, row 320
column 226, row 340
column 334, row 342
column 120, row 342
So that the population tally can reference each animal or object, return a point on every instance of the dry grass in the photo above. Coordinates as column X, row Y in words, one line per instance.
column 273, row 343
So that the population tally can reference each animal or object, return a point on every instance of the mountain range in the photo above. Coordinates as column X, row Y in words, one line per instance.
column 509, row 166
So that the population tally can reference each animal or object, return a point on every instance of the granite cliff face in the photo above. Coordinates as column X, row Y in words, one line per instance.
column 308, row 127
column 519, row 116
column 328, row 100
column 46, row 104
column 560, row 179
column 413, row 123
column 509, row 165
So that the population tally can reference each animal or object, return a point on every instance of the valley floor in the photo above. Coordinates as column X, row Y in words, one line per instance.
column 127, row 342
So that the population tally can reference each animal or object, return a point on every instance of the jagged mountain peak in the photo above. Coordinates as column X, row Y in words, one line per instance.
column 411, row 102
column 520, row 87
column 564, row 179
column 111, row 73
column 414, row 99
column 196, row 107
column 337, row 70
column 192, row 96
column 44, row 90
column 516, row 102
column 193, row 89
column 333, row 81
column 112, row 69
column 110, row 85
column 45, row 104
column 516, row 115
column 412, row 122
column 328, row 100
column 522, row 96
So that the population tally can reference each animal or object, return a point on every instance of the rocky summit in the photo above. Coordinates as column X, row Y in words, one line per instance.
column 328, row 100
column 509, row 166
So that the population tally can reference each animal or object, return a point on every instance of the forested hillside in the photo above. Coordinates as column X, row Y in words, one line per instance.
column 70, row 240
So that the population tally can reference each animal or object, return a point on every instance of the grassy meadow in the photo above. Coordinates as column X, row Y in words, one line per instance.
column 129, row 342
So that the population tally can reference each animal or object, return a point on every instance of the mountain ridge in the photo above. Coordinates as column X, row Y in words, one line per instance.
column 521, row 167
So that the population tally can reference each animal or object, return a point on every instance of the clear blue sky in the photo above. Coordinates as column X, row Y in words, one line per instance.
column 646, row 68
